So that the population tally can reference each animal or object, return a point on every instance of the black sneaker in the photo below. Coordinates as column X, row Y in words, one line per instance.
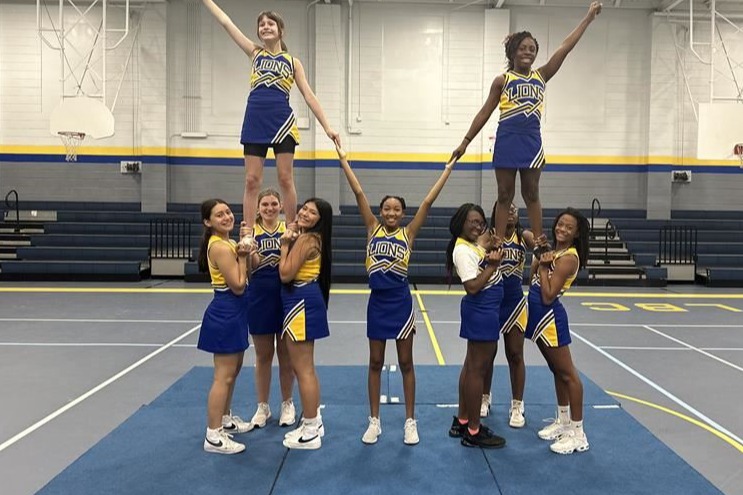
column 457, row 430
column 485, row 439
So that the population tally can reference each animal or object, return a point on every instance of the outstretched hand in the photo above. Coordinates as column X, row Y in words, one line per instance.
column 594, row 10
column 459, row 151
column 334, row 136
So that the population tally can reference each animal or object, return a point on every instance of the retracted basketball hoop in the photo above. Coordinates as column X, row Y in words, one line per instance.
column 738, row 151
column 78, row 117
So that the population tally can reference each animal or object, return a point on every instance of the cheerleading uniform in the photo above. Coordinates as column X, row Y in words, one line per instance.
column 548, row 323
column 513, row 310
column 265, row 311
column 479, row 313
column 224, row 328
column 389, row 314
column 305, row 313
column 269, row 120
column 518, row 140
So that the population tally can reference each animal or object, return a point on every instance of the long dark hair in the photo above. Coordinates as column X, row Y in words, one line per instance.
column 456, row 225
column 206, row 213
column 324, row 227
column 279, row 22
column 581, row 242
column 512, row 43
column 519, row 229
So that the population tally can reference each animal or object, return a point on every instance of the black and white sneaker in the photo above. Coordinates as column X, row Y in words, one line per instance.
column 223, row 444
column 305, row 441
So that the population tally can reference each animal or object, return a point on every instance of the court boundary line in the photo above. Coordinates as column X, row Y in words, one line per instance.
column 610, row 325
column 94, row 390
column 659, row 389
column 679, row 415
column 431, row 333
column 696, row 349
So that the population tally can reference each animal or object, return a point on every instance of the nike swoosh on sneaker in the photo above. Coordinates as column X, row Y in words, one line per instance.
column 231, row 426
column 302, row 440
column 215, row 444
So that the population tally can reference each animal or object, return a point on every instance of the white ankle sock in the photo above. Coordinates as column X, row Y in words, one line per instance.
column 212, row 434
column 577, row 426
column 563, row 414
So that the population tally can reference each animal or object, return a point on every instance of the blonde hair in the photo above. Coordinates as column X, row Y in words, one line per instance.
column 266, row 192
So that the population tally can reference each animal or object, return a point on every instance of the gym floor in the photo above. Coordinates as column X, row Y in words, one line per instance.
column 79, row 359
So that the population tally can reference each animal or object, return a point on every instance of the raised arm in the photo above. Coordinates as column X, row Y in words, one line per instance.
column 555, row 62
column 482, row 116
column 242, row 41
column 369, row 219
column 309, row 96
column 420, row 217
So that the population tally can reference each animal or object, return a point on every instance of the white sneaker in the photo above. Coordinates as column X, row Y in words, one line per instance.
column 262, row 414
column 235, row 424
column 569, row 442
column 485, row 405
column 371, row 435
column 223, row 445
column 302, row 441
column 297, row 432
column 411, row 432
column 516, row 415
column 288, row 413
column 553, row 431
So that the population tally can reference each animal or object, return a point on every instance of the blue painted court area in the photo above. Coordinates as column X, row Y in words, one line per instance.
column 159, row 448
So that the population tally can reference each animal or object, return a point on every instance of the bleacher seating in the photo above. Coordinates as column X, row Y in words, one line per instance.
column 111, row 241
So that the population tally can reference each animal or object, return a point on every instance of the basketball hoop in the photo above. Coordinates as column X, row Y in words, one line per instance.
column 89, row 116
column 738, row 151
column 71, row 141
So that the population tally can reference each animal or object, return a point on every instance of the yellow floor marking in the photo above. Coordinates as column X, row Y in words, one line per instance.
column 431, row 334
column 679, row 415
column 432, row 292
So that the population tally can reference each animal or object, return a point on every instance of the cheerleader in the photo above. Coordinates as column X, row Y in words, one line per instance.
column 513, row 315
column 269, row 121
column 265, row 312
column 224, row 329
column 389, row 314
column 305, row 269
column 479, row 313
column 547, row 325
column 518, row 142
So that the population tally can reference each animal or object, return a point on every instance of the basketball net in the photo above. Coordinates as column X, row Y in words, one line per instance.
column 71, row 141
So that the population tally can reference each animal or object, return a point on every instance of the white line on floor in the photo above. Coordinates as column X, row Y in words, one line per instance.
column 609, row 325
column 94, row 390
column 86, row 344
column 660, row 389
column 92, row 320
column 697, row 349
column 631, row 348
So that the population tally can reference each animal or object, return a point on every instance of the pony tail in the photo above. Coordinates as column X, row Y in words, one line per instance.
column 204, row 250
column 283, row 46
column 450, row 260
